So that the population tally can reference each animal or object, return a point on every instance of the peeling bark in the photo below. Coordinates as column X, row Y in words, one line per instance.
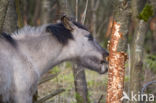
column 117, row 55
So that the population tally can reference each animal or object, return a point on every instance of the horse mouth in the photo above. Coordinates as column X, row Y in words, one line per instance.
column 100, row 66
column 94, row 60
column 104, row 68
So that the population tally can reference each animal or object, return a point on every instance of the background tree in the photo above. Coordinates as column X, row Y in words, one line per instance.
column 140, row 18
column 10, row 23
column 3, row 10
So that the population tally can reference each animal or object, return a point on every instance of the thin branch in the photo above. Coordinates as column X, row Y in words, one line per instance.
column 84, row 13
column 146, row 85
column 76, row 10
column 129, row 67
column 42, row 100
column 100, row 98
column 3, row 12
column 43, row 80
column 97, row 4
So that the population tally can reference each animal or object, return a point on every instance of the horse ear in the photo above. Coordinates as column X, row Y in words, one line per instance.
column 67, row 23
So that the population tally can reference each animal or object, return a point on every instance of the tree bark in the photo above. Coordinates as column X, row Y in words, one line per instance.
column 10, row 23
column 80, row 84
column 45, row 11
column 117, row 52
column 19, row 10
column 3, row 10
column 137, row 57
column 137, row 51
column 94, row 7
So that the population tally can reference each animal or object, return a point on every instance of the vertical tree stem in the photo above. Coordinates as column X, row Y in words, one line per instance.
column 3, row 10
column 117, row 55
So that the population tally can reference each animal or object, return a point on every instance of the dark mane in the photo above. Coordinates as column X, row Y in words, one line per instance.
column 8, row 38
column 61, row 33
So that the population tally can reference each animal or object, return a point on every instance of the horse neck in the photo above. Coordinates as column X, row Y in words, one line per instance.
column 43, row 52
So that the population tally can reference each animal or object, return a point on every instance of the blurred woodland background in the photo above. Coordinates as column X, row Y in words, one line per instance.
column 58, row 86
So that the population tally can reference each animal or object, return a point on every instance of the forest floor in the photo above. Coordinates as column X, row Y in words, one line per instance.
column 96, row 85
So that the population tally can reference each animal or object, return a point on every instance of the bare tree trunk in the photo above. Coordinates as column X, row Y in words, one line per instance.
column 137, row 51
column 80, row 84
column 10, row 23
column 45, row 11
column 117, row 52
column 65, row 8
column 19, row 10
column 3, row 10
column 137, row 57
column 94, row 7
column 36, row 12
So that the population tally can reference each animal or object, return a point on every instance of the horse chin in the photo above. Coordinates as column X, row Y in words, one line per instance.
column 95, row 65
column 104, row 68
column 98, row 67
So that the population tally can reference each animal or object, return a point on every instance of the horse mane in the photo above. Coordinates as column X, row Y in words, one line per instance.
column 29, row 31
column 56, row 30
column 8, row 38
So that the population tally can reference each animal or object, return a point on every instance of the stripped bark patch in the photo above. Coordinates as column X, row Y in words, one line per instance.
column 116, row 67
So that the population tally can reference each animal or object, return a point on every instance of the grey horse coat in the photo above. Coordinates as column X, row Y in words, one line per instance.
column 29, row 53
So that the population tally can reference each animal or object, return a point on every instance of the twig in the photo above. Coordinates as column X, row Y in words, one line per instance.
column 76, row 10
column 146, row 85
column 97, row 4
column 99, row 101
column 43, row 80
column 84, row 13
column 129, row 68
column 42, row 100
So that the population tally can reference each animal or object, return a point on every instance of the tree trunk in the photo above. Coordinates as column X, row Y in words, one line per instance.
column 80, row 84
column 137, row 51
column 3, row 10
column 117, row 52
column 45, row 11
column 137, row 58
column 10, row 23
column 94, row 7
